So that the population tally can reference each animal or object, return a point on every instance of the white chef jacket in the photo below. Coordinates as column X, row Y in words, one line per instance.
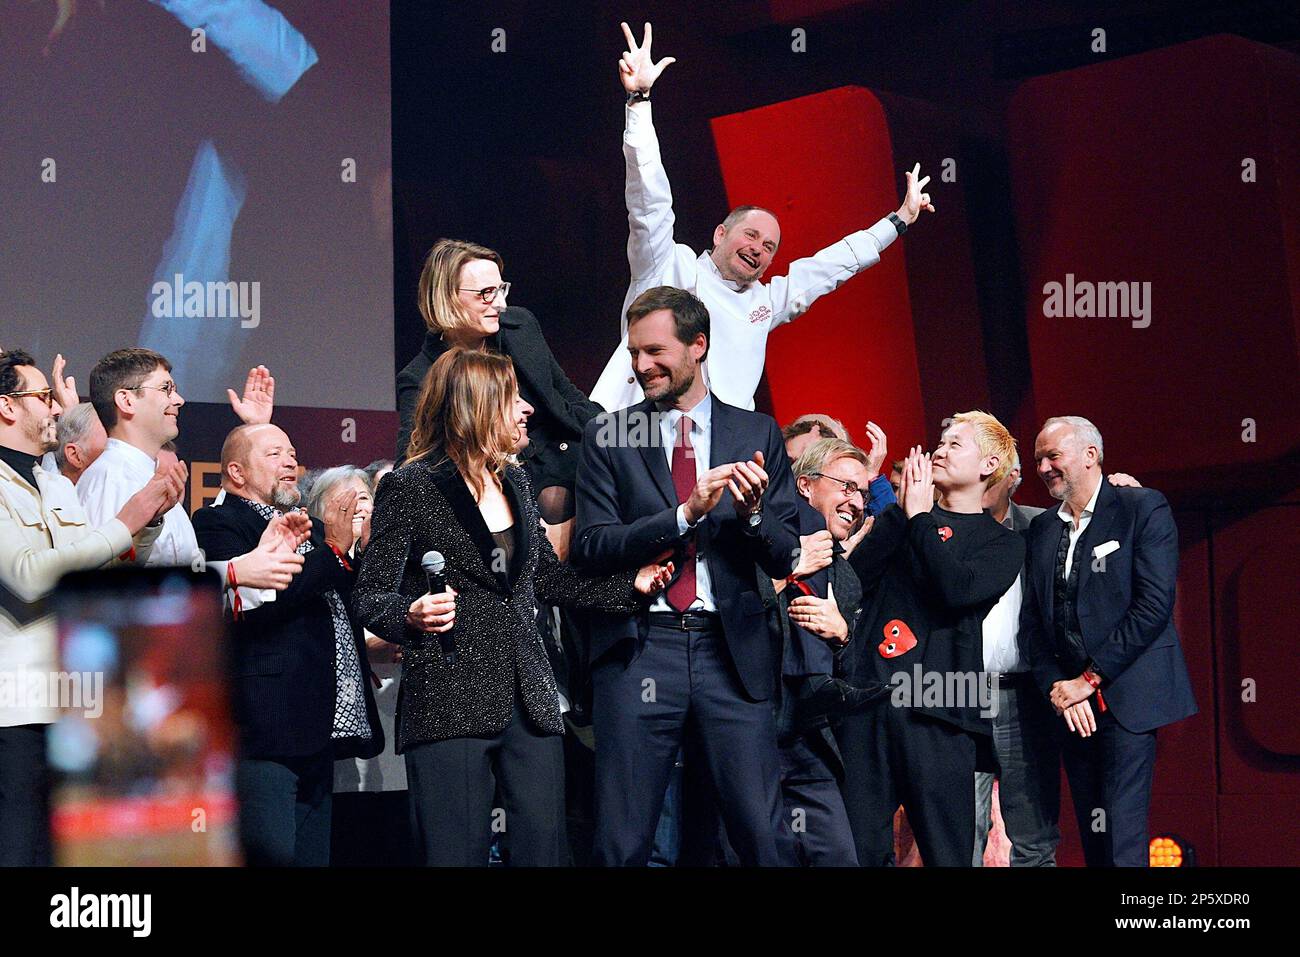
column 740, row 316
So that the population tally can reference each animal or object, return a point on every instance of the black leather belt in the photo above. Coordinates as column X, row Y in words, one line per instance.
column 1014, row 679
column 687, row 620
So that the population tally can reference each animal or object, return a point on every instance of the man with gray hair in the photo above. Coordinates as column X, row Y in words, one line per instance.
column 1097, row 628
column 80, row 437
column 1025, row 746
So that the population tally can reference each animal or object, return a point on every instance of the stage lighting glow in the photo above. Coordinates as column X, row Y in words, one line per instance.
column 1169, row 850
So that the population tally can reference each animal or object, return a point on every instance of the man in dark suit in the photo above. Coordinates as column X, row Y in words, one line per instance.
column 300, row 696
column 839, row 488
column 1097, row 624
column 686, row 473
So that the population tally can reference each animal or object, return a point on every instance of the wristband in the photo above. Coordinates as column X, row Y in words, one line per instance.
column 638, row 96
column 1091, row 677
column 236, row 603
column 803, row 586
column 899, row 225
column 340, row 556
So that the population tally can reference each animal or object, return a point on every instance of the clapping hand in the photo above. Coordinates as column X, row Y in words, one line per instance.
column 748, row 483
column 918, row 483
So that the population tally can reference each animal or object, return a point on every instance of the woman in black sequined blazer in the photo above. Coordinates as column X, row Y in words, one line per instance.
column 487, row 717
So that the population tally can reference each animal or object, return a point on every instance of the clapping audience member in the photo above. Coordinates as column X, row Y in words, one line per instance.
column 303, row 692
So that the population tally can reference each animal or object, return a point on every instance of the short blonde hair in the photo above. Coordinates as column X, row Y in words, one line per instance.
column 825, row 451
column 992, row 438
column 439, row 292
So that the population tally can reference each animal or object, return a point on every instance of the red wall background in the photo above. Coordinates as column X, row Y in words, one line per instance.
column 1127, row 171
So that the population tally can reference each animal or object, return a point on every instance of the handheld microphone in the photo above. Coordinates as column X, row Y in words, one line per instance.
column 435, row 567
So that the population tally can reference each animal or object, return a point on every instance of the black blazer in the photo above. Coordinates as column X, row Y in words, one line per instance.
column 627, row 516
column 560, row 410
column 1125, row 611
column 421, row 507
column 285, row 685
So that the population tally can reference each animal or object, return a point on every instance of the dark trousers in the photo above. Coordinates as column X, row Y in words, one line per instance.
column 452, row 785
column 680, row 688
column 284, row 810
column 1110, row 775
column 1026, row 744
column 814, row 806
column 24, row 797
column 894, row 756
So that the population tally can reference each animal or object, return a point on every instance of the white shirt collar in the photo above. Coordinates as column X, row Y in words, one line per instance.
column 130, row 455
column 1063, row 513
column 701, row 414
column 709, row 264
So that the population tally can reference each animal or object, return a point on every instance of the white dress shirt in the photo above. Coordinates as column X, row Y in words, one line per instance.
column 1076, row 531
column 740, row 315
column 120, row 471
column 1001, row 626
column 701, row 431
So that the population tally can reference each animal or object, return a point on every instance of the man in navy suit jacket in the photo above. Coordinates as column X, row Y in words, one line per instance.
column 685, row 473
column 1097, row 624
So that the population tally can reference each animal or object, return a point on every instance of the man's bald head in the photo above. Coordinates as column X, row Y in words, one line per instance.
column 259, row 462
column 237, row 446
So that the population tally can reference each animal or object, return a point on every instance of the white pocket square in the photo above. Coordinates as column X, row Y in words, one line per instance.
column 1105, row 548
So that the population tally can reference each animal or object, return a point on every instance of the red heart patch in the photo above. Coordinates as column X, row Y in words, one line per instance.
column 899, row 639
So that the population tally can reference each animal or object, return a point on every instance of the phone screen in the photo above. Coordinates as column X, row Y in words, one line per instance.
column 143, row 752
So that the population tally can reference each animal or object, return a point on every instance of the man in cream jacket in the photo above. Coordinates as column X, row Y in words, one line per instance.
column 43, row 535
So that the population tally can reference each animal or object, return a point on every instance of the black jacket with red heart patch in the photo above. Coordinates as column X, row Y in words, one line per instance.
column 928, row 582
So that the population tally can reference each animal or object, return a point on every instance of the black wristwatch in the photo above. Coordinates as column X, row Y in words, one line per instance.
column 638, row 96
column 898, row 223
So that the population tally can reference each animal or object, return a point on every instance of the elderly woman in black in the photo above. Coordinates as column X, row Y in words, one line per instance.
column 483, row 713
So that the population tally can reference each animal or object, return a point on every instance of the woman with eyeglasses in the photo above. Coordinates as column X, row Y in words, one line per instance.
column 463, row 300
column 478, row 711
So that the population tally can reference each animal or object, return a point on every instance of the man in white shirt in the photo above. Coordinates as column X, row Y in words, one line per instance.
column 138, row 403
column 727, row 278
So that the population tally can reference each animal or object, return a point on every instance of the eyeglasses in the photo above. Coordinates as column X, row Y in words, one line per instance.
column 167, row 388
column 45, row 395
column 490, row 293
column 849, row 488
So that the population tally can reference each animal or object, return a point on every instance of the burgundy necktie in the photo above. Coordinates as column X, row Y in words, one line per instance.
column 681, row 593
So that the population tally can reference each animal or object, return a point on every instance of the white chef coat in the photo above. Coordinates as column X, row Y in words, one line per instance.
column 740, row 316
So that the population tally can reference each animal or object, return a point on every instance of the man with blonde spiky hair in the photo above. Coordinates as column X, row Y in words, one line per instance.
column 930, row 573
